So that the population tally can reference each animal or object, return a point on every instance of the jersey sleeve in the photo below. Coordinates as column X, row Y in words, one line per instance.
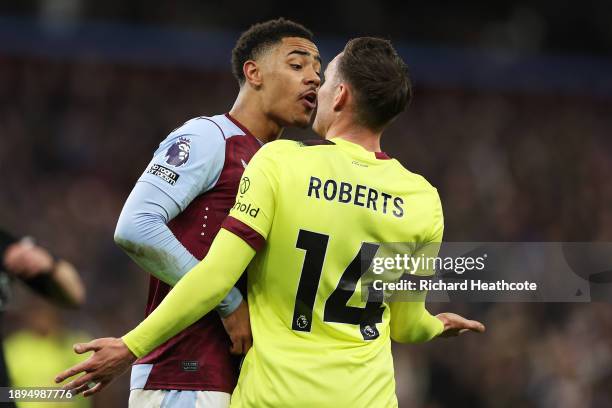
column 410, row 321
column 188, row 162
column 196, row 294
column 430, row 246
column 251, row 216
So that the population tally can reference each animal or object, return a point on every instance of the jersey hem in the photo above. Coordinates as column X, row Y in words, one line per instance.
column 184, row 387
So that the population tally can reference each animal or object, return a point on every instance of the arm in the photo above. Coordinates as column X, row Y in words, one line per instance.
column 194, row 295
column 231, row 251
column 142, row 232
column 192, row 158
column 417, row 325
column 412, row 323
column 410, row 320
column 56, row 280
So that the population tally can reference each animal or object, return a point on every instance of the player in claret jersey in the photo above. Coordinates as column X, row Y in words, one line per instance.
column 176, row 208
column 305, row 216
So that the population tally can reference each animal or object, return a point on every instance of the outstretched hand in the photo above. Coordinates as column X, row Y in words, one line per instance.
column 111, row 357
column 455, row 325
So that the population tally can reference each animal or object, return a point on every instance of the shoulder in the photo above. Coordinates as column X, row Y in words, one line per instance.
column 201, row 136
column 201, row 127
column 278, row 146
column 414, row 182
column 282, row 148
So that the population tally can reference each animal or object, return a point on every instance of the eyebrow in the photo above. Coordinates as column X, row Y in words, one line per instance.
column 306, row 53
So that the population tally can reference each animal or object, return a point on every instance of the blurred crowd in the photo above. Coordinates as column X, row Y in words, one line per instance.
column 75, row 136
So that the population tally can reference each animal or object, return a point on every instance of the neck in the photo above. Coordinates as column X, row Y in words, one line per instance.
column 250, row 114
column 352, row 132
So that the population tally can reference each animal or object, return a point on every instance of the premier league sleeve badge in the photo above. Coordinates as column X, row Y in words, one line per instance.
column 178, row 153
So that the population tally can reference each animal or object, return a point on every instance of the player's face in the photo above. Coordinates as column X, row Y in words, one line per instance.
column 291, row 79
column 325, row 100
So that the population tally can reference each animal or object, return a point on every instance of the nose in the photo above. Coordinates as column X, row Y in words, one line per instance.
column 312, row 78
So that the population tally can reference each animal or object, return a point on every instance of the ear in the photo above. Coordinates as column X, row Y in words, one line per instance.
column 252, row 74
column 341, row 97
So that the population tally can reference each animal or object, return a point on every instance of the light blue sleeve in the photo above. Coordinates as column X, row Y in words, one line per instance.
column 188, row 162
column 142, row 230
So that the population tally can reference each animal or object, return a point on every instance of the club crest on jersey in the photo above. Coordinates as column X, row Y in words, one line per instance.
column 178, row 153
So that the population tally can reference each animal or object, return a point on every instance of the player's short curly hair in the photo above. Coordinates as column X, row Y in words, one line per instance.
column 261, row 36
column 379, row 78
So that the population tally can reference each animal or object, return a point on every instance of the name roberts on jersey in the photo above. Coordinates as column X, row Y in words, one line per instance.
column 358, row 194
column 332, row 190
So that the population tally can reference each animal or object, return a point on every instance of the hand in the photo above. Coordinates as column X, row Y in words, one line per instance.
column 111, row 357
column 27, row 260
column 238, row 327
column 455, row 325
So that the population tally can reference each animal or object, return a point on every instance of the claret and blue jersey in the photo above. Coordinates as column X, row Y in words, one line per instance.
column 198, row 166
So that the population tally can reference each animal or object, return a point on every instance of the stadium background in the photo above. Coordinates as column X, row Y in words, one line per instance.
column 511, row 120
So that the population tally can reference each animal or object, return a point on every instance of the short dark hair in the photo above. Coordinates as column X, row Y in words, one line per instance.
column 261, row 36
column 379, row 78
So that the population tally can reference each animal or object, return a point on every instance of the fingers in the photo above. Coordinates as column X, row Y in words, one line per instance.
column 466, row 325
column 97, row 388
column 79, row 382
column 80, row 389
column 455, row 325
column 27, row 260
column 74, row 370
column 81, row 348
column 469, row 326
column 475, row 326
column 85, row 366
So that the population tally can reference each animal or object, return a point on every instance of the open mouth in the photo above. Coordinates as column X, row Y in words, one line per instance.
column 310, row 99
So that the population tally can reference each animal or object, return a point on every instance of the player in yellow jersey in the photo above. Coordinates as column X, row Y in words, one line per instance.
column 305, row 217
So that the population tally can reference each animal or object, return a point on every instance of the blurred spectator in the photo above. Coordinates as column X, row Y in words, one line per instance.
column 57, row 280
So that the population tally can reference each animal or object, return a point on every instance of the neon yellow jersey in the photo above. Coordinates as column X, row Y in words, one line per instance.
column 320, row 209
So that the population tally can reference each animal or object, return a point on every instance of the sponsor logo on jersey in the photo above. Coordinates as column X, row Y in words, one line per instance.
column 246, row 208
column 245, row 183
column 359, row 195
column 178, row 153
column 164, row 173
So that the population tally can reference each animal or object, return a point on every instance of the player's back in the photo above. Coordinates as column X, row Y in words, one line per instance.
column 316, row 343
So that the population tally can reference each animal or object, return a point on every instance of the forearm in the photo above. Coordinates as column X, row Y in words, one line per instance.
column 157, row 252
column 62, row 284
column 196, row 294
column 411, row 322
column 71, row 291
column 142, row 232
